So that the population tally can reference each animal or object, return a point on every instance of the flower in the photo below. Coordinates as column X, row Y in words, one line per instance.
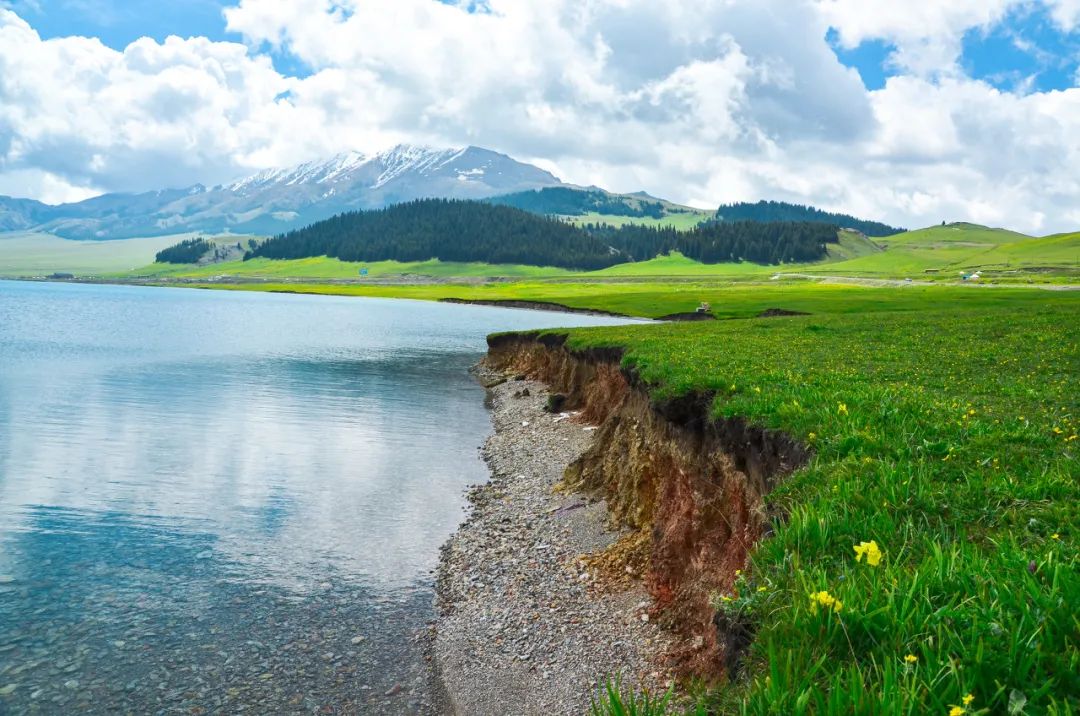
column 841, row 408
column 956, row 711
column 762, row 589
column 1055, row 536
column 968, row 699
column 871, row 550
column 826, row 600
column 911, row 658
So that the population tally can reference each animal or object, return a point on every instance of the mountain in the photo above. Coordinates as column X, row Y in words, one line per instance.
column 278, row 200
column 782, row 211
column 21, row 214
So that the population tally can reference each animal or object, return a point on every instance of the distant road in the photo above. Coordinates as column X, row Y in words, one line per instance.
column 859, row 281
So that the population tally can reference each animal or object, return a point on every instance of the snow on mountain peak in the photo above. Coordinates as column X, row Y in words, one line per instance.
column 393, row 163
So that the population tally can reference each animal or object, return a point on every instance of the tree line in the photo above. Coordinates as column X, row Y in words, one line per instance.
column 455, row 230
column 188, row 251
column 782, row 211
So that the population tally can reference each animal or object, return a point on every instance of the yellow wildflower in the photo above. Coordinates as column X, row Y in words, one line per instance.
column 968, row 699
column 956, row 711
column 1055, row 536
column 841, row 408
column 826, row 600
column 870, row 550
column 762, row 589
column 911, row 658
column 811, row 436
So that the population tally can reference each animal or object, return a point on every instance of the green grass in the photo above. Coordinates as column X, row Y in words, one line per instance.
column 959, row 233
column 675, row 264
column 321, row 267
column 852, row 245
column 34, row 254
column 655, row 298
column 951, row 250
column 944, row 427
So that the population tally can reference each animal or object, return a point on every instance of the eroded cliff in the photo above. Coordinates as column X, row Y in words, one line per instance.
column 690, row 486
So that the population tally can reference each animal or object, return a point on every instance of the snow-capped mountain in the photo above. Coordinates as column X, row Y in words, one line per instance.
column 276, row 200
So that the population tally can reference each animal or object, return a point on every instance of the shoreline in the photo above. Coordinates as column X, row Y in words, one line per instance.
column 549, row 306
column 523, row 625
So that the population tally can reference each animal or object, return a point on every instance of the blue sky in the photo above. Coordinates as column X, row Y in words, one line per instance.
column 1026, row 52
column 118, row 23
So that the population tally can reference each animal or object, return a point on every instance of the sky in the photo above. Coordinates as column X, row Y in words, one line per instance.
column 911, row 113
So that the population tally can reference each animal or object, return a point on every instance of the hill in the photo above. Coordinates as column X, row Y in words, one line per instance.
column 782, row 211
column 463, row 231
column 963, row 248
column 583, row 207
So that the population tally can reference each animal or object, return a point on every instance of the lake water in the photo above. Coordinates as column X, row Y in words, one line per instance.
column 219, row 501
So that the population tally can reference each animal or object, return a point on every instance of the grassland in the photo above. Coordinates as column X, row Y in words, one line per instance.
column 956, row 248
column 934, row 254
column 36, row 254
column 944, row 425
column 322, row 267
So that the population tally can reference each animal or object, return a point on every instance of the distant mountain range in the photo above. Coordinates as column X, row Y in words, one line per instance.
column 277, row 200
column 280, row 200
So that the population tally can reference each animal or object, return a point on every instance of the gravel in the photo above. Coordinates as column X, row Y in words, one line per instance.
column 524, row 627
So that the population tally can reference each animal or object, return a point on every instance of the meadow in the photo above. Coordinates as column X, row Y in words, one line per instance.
column 928, row 562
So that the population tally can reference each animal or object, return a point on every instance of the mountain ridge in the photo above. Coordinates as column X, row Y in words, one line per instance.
column 277, row 200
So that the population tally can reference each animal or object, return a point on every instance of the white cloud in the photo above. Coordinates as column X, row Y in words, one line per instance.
column 1066, row 13
column 927, row 34
column 701, row 101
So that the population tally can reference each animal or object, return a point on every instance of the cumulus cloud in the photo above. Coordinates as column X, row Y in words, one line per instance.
column 701, row 101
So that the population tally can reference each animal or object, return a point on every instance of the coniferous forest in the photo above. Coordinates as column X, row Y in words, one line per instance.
column 476, row 231
column 188, row 251
column 782, row 211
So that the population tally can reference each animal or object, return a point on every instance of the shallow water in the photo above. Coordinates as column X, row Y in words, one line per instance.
column 230, row 502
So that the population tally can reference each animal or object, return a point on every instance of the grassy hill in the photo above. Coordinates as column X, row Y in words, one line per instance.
column 956, row 248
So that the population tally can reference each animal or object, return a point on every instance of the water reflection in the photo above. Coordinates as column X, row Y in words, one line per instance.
column 211, row 500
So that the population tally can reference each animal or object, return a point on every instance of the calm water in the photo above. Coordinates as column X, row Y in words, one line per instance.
column 229, row 502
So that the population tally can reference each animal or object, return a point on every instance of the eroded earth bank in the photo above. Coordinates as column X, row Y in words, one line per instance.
column 606, row 530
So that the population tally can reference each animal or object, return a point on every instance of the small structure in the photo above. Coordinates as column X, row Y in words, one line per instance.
column 704, row 307
column 62, row 275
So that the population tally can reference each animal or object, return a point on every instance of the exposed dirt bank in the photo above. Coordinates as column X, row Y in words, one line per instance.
column 526, row 625
column 688, row 489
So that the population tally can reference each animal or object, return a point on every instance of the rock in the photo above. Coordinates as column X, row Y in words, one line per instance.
column 9, row 689
column 555, row 403
column 525, row 393
column 356, row 640
column 393, row 690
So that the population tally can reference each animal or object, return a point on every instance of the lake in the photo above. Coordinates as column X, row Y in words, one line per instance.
column 227, row 501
